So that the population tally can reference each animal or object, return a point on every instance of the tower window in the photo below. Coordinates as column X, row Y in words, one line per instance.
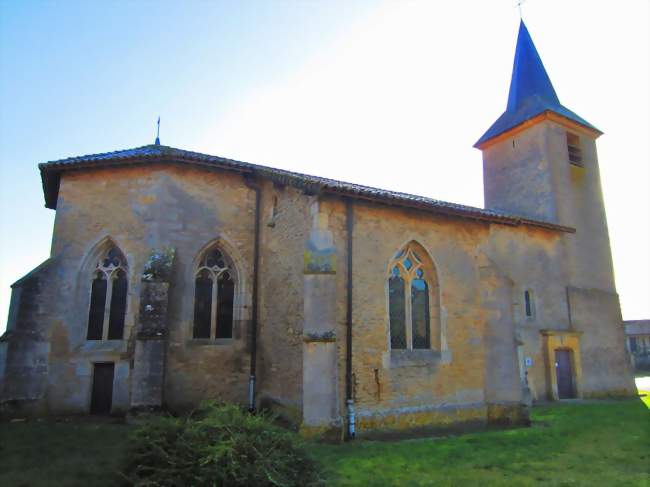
column 574, row 150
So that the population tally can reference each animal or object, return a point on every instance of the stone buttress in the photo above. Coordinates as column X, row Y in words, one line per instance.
column 147, row 385
column 321, row 416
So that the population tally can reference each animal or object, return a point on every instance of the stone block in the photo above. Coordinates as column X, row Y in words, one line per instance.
column 320, row 386
column 148, row 374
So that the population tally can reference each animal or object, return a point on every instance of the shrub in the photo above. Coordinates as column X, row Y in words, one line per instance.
column 218, row 445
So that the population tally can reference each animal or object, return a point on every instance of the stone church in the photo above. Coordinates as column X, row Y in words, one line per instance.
column 177, row 276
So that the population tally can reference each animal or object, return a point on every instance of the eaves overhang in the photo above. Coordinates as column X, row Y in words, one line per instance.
column 155, row 154
column 512, row 130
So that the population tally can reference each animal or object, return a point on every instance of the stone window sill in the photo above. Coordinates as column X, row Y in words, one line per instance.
column 211, row 341
column 414, row 358
column 104, row 345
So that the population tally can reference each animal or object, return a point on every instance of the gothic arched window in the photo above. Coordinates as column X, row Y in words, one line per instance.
column 108, row 297
column 412, row 300
column 214, row 296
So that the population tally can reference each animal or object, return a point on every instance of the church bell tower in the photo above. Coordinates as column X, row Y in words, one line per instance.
column 540, row 162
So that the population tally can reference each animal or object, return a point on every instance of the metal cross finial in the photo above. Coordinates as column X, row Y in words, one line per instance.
column 158, row 133
column 519, row 4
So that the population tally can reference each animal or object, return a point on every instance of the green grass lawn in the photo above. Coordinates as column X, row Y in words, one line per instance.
column 61, row 454
column 570, row 444
column 575, row 444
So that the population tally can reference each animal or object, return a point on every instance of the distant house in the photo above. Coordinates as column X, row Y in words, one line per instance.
column 637, row 339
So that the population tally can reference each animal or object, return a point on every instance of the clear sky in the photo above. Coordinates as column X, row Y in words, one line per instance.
column 388, row 94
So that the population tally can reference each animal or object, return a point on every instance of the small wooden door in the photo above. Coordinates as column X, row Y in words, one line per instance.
column 564, row 374
column 102, row 393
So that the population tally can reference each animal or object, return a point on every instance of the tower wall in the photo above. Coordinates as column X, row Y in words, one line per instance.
column 529, row 174
column 518, row 176
column 581, row 206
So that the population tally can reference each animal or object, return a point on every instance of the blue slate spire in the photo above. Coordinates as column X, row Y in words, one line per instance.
column 531, row 91
column 529, row 77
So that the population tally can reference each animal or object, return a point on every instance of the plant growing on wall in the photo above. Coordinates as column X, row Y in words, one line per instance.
column 159, row 265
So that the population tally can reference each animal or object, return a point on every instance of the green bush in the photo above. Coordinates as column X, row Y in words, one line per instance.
column 218, row 445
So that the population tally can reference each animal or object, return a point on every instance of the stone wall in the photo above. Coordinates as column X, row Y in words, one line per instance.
column 486, row 353
column 532, row 259
column 24, row 347
column 528, row 172
column 606, row 369
column 392, row 392
column 189, row 210
column 284, row 230
column 494, row 353
column 518, row 175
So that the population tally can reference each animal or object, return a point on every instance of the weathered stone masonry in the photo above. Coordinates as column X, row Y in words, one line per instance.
column 147, row 386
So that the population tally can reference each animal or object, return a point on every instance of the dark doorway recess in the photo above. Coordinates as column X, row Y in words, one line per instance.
column 102, row 393
column 564, row 373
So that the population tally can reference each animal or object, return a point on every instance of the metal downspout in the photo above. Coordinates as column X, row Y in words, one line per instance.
column 254, row 185
column 349, row 401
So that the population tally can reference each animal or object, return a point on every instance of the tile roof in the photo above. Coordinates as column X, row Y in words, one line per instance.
column 50, row 175
column 637, row 327
column 531, row 91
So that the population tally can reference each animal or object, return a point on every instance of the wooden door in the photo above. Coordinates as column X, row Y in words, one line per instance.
column 564, row 374
column 102, row 392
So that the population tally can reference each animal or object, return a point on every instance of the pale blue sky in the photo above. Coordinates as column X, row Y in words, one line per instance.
column 391, row 94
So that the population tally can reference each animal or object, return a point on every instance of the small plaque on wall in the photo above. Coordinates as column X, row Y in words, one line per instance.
column 320, row 261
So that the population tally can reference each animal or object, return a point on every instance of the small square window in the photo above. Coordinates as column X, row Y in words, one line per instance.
column 574, row 149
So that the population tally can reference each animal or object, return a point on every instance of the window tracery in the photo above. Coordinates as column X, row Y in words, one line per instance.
column 409, row 300
column 214, row 304
column 108, row 295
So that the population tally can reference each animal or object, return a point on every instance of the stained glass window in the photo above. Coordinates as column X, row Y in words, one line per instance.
column 409, row 302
